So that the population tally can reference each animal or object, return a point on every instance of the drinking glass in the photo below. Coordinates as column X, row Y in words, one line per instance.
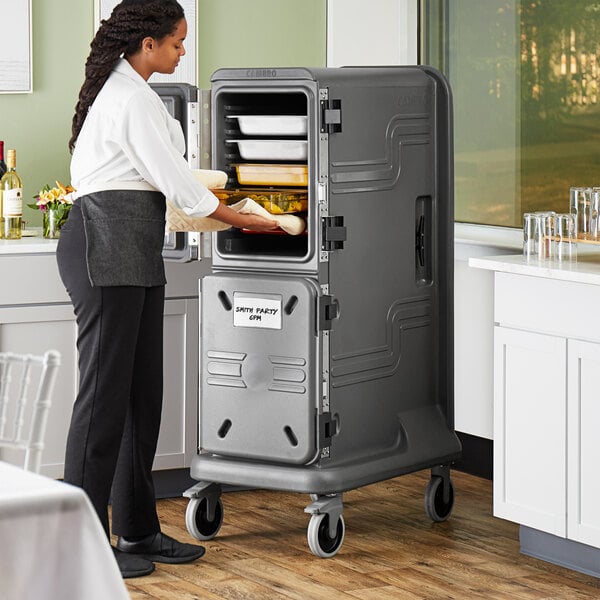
column 565, row 247
column 544, row 233
column 579, row 201
column 530, row 236
column 593, row 209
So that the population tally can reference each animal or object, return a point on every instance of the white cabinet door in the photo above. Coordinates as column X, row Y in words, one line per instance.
column 530, row 429
column 178, row 440
column 583, row 521
column 35, row 329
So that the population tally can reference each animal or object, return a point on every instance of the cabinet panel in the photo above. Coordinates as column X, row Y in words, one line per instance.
column 561, row 308
column 178, row 440
column 530, row 429
column 31, row 280
column 473, row 341
column 583, row 521
column 35, row 329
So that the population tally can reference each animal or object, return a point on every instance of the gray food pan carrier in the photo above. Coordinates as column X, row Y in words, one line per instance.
column 327, row 360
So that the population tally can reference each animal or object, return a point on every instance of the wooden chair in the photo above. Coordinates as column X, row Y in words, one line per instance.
column 14, row 409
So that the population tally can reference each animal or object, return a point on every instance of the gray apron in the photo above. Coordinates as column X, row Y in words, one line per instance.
column 124, row 232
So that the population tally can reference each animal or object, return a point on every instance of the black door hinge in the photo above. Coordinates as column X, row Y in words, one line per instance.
column 333, row 234
column 331, row 116
column 329, row 309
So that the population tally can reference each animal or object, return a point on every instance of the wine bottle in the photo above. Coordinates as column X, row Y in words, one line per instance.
column 11, row 186
column 2, row 163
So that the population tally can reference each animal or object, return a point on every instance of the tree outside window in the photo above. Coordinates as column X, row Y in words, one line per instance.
column 525, row 77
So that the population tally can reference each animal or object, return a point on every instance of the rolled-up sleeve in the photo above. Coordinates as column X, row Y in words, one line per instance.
column 146, row 141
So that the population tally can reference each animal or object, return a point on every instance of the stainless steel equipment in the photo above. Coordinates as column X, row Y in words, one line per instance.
column 184, row 103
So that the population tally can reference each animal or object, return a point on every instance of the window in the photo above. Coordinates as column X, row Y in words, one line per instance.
column 525, row 76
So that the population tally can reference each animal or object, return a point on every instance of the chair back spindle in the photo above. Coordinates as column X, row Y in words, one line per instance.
column 14, row 436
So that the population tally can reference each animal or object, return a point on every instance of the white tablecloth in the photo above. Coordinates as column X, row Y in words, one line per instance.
column 52, row 546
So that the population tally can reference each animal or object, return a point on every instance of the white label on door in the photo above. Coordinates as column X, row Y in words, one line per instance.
column 255, row 311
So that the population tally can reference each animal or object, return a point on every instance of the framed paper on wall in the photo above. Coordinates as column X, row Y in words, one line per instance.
column 187, row 71
column 15, row 47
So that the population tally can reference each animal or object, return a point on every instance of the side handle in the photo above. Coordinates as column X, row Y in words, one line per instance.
column 423, row 241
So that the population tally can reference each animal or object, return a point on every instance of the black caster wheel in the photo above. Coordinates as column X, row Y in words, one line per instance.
column 436, row 507
column 197, row 521
column 319, row 541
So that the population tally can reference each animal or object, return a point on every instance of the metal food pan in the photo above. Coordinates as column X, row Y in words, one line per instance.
column 272, row 149
column 272, row 124
column 272, row 174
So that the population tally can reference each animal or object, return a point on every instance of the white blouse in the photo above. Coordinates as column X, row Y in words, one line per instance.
column 130, row 141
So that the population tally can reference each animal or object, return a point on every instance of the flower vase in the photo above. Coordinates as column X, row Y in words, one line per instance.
column 53, row 220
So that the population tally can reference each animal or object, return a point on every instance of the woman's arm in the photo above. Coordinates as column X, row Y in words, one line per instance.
column 145, row 139
column 255, row 222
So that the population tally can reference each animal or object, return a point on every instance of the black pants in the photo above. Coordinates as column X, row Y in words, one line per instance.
column 116, row 416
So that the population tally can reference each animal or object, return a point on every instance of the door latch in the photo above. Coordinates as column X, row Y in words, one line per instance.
column 334, row 233
column 331, row 116
column 329, row 309
column 326, row 430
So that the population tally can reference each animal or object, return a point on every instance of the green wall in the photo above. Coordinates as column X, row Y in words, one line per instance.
column 38, row 124
column 260, row 33
column 231, row 33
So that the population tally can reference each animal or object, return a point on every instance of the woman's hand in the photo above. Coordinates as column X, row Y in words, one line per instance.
column 258, row 223
column 254, row 222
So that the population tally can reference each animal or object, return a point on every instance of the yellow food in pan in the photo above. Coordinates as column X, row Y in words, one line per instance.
column 276, row 202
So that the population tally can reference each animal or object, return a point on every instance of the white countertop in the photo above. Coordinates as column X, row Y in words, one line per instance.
column 585, row 270
column 29, row 245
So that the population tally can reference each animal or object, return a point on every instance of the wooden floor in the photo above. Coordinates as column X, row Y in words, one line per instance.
column 391, row 551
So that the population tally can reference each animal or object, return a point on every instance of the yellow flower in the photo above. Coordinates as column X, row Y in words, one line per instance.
column 55, row 197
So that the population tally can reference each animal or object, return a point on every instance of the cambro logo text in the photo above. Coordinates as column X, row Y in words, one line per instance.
column 412, row 100
column 261, row 73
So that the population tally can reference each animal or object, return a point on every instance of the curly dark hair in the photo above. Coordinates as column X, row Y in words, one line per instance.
column 121, row 35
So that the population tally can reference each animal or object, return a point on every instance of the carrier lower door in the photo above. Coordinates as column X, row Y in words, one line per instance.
column 259, row 349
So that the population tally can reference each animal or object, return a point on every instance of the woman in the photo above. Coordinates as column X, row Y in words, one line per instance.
column 127, row 157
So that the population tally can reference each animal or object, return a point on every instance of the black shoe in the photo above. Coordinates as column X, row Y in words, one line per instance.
column 159, row 547
column 132, row 566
